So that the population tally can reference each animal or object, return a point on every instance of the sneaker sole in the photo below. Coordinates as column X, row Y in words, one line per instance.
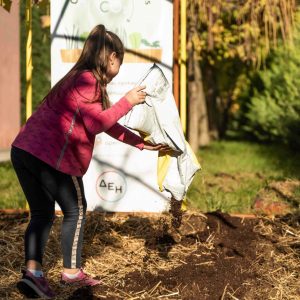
column 27, row 288
column 27, row 291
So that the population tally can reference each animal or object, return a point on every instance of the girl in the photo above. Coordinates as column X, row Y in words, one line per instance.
column 53, row 151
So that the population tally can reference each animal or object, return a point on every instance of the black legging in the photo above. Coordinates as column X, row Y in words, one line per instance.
column 42, row 186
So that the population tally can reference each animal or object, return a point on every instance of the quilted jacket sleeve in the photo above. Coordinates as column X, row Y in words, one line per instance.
column 124, row 135
column 95, row 119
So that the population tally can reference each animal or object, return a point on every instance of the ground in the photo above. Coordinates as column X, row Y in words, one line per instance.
column 212, row 256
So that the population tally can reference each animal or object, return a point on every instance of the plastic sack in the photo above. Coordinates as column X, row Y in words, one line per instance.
column 158, row 120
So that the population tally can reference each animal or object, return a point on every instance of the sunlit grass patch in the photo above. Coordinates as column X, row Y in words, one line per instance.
column 11, row 195
column 234, row 172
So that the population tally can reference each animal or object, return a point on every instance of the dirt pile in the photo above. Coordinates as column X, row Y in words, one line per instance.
column 212, row 256
column 218, row 265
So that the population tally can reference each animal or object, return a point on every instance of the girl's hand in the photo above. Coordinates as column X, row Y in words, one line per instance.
column 136, row 95
column 158, row 147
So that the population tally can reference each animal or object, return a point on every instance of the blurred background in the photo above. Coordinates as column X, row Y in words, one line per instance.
column 243, row 100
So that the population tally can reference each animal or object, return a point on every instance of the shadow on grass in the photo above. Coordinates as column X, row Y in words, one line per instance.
column 269, row 158
column 281, row 158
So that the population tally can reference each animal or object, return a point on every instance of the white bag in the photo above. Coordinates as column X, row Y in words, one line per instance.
column 158, row 118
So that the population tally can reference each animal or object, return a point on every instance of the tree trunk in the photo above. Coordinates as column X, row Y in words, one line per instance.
column 197, row 121
column 198, row 132
column 193, row 111
column 204, row 137
column 211, row 102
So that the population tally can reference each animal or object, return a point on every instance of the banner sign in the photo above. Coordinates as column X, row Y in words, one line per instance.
column 120, row 177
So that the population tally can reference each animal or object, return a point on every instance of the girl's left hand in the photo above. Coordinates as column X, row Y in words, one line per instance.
column 158, row 147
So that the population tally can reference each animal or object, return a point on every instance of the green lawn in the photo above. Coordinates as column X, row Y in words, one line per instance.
column 232, row 174
column 11, row 195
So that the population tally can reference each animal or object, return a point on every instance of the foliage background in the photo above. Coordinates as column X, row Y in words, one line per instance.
column 40, row 58
column 269, row 100
column 261, row 103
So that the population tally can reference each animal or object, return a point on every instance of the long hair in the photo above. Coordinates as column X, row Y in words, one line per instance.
column 99, row 44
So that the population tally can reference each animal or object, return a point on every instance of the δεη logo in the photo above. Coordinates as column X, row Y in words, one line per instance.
column 111, row 186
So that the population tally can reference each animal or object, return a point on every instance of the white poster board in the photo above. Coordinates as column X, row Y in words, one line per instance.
column 120, row 177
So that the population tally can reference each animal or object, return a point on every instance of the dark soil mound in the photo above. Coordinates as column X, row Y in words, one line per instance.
column 139, row 256
column 205, row 274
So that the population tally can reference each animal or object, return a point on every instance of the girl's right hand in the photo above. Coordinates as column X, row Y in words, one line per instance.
column 136, row 95
column 157, row 147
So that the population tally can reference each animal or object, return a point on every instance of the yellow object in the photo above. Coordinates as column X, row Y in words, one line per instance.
column 163, row 163
column 183, row 58
column 28, row 59
column 28, row 62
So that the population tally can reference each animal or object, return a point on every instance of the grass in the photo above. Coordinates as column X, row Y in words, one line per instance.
column 232, row 174
column 11, row 195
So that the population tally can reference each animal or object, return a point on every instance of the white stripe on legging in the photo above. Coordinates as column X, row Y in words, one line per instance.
column 79, row 222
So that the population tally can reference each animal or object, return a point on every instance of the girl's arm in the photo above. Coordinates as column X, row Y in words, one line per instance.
column 126, row 136
column 95, row 119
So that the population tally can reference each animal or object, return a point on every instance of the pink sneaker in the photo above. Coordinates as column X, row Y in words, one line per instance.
column 33, row 287
column 82, row 279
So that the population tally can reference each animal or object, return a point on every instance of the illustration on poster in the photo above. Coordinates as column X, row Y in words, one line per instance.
column 117, row 6
column 122, row 17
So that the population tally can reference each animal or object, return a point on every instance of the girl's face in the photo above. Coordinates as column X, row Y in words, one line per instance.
column 113, row 66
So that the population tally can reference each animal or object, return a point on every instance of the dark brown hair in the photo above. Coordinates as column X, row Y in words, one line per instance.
column 99, row 44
